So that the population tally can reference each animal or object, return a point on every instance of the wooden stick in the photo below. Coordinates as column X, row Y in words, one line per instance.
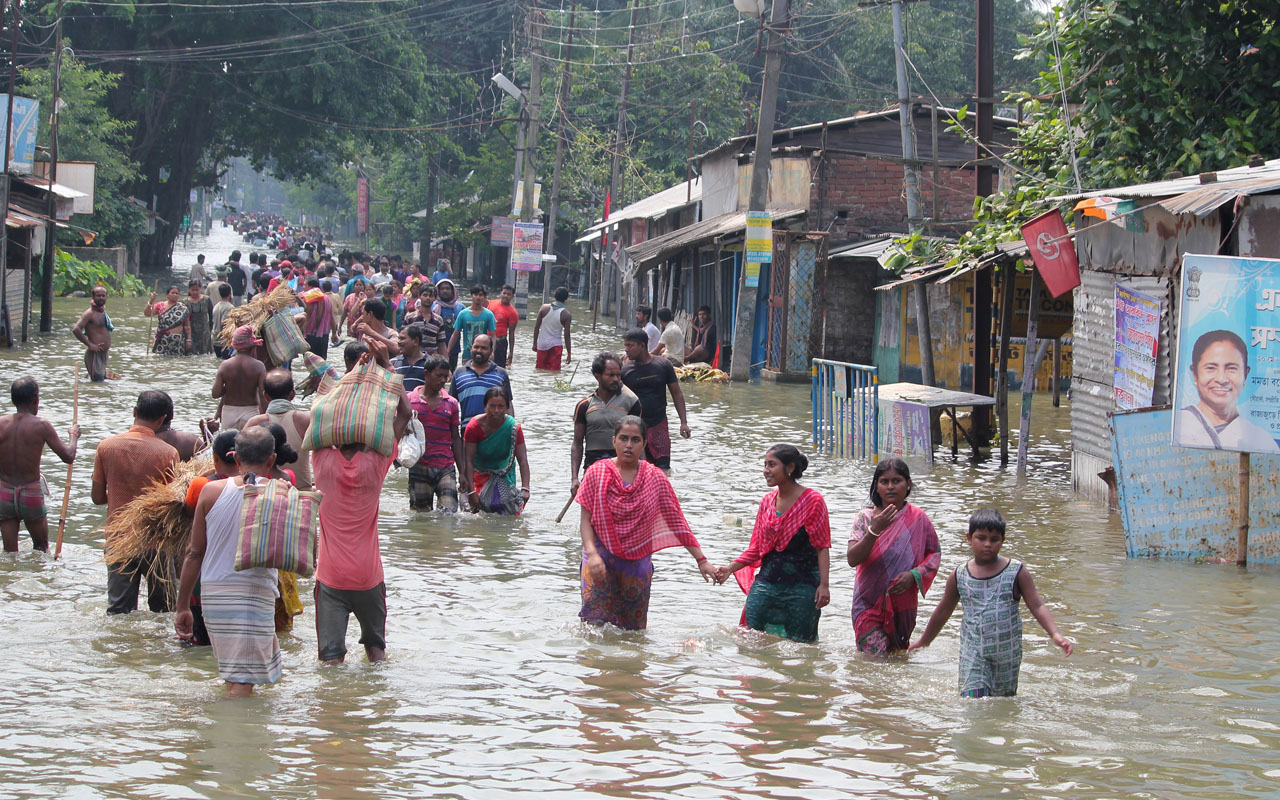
column 1242, row 513
column 66, row 490
column 150, row 344
column 565, row 510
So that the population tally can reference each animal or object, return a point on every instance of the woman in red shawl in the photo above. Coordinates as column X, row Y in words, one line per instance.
column 629, row 512
column 791, row 544
column 896, row 552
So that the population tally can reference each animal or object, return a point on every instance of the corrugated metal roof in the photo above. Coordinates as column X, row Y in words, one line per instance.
column 783, row 133
column 655, row 206
column 65, row 192
column 733, row 222
column 1198, row 193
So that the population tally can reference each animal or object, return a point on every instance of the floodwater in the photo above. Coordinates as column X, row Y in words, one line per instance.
column 493, row 689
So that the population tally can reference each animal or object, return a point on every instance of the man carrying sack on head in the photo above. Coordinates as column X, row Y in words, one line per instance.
column 353, row 433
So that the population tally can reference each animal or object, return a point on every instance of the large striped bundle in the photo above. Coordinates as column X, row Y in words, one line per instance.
column 361, row 409
column 278, row 527
column 284, row 338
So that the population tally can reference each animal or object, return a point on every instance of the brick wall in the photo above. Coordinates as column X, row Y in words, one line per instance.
column 871, row 192
column 851, row 309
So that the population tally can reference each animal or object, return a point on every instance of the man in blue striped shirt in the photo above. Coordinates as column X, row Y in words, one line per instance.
column 478, row 376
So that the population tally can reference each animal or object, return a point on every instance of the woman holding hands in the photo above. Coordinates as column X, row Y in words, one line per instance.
column 791, row 546
column 629, row 512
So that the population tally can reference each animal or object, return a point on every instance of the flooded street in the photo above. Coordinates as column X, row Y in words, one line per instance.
column 492, row 688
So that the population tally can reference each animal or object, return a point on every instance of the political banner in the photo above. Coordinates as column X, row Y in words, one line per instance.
column 362, row 205
column 904, row 430
column 1053, row 252
column 1227, row 373
column 526, row 246
column 759, row 243
column 500, row 232
column 1137, row 338
column 22, row 136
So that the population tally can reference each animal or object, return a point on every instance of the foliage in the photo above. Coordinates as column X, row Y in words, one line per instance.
column 1190, row 87
column 71, row 274
column 88, row 132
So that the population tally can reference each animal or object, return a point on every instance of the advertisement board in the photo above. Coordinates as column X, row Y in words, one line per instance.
column 22, row 139
column 526, row 246
column 1227, row 374
column 1137, row 337
column 362, row 205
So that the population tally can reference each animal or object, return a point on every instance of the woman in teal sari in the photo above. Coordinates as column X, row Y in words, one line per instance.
column 493, row 444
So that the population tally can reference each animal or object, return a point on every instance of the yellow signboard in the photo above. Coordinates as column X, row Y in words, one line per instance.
column 759, row 237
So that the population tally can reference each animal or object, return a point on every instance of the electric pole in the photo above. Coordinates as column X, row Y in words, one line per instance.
column 46, row 272
column 911, row 183
column 982, row 290
column 527, row 210
column 744, row 325
column 615, row 174
column 8, row 141
column 562, row 108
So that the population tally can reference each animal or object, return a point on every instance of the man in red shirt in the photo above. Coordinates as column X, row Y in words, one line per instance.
column 349, row 576
column 508, row 316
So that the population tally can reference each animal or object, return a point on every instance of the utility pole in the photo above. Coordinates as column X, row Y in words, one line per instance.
column 982, row 289
column 562, row 106
column 615, row 174
column 428, row 220
column 8, row 139
column 744, row 325
column 911, row 182
column 527, row 211
column 46, row 273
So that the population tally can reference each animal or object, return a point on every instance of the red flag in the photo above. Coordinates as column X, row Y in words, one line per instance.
column 608, row 198
column 1053, row 252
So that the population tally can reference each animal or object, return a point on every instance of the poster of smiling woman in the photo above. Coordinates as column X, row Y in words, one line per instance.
column 1227, row 379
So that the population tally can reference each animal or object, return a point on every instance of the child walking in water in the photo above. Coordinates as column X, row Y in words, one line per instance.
column 989, row 587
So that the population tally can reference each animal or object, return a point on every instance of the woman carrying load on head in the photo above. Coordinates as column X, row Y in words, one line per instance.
column 896, row 552
column 629, row 512
column 173, row 324
column 791, row 544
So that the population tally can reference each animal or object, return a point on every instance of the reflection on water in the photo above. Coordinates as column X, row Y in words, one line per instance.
column 494, row 689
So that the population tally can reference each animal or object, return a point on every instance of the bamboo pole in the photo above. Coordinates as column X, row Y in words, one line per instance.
column 1242, row 529
column 565, row 510
column 66, row 490
column 1028, row 371
column 148, row 342
column 1057, row 372
column 1007, row 279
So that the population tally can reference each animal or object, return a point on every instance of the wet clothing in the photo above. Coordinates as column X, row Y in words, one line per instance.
column 548, row 359
column 599, row 417
column 470, row 325
column 781, row 595
column 494, row 465
column 235, row 417
column 281, row 412
column 438, row 424
column 96, row 365
column 883, row 622
column 128, row 462
column 334, row 608
column 428, row 485
column 348, row 556
column 631, row 523
column 173, row 328
column 550, row 342
column 657, row 444
column 469, row 388
column 24, row 502
column 201, row 314
column 990, row 632
column 649, row 381
column 124, row 583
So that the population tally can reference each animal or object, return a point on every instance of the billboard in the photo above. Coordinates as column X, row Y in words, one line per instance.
column 526, row 246
column 362, row 205
column 1227, row 373
column 1137, row 340
column 22, row 140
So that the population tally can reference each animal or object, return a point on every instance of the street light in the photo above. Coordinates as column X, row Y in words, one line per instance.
column 505, row 84
column 750, row 8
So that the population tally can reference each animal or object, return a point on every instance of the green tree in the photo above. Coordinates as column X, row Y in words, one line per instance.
column 1191, row 87
column 88, row 132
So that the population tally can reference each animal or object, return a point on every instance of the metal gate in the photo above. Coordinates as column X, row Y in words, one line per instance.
column 797, row 300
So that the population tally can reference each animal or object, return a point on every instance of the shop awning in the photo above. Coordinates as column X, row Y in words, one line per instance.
column 65, row 192
column 708, row 230
column 655, row 206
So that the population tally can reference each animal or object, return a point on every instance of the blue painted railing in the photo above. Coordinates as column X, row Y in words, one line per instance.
column 845, row 399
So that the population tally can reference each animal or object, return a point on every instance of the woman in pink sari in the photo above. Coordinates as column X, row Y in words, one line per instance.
column 896, row 552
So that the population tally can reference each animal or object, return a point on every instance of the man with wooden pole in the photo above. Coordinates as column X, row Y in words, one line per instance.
column 23, row 436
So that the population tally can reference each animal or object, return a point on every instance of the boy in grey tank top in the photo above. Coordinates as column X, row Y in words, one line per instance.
column 989, row 587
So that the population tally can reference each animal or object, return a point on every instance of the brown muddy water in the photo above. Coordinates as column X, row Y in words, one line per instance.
column 493, row 689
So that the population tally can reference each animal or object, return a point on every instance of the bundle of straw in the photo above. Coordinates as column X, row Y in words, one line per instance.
column 158, row 519
column 258, row 311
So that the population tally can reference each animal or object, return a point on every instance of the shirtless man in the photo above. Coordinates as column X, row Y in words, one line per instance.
column 278, row 386
column 23, row 436
column 94, row 330
column 238, row 383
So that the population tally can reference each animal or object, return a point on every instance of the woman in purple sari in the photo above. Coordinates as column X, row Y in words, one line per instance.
column 896, row 552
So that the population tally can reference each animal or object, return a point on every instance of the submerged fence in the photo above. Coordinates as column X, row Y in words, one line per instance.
column 845, row 399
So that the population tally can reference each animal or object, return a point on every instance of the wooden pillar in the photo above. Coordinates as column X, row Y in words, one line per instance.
column 1008, row 277
column 1242, row 528
column 1057, row 372
column 1028, row 371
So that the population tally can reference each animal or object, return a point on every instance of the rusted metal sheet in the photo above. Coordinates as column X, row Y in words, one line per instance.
column 1093, row 367
column 1180, row 503
column 1208, row 197
column 1149, row 242
column 1259, row 228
